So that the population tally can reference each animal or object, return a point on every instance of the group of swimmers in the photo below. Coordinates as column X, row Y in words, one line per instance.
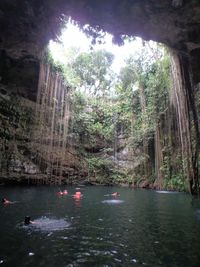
column 61, row 193
column 77, row 196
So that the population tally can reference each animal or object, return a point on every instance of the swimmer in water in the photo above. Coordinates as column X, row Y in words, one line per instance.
column 60, row 193
column 77, row 195
column 27, row 220
column 6, row 201
column 115, row 194
column 65, row 192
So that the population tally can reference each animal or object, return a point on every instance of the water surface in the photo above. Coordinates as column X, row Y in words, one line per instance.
column 138, row 228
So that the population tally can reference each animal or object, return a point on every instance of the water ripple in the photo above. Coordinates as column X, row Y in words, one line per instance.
column 113, row 201
column 45, row 224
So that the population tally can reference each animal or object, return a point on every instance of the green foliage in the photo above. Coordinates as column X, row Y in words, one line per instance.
column 143, row 91
column 93, row 70
column 106, row 106
column 66, row 70
column 97, row 164
column 103, row 170
column 93, row 119
column 176, row 182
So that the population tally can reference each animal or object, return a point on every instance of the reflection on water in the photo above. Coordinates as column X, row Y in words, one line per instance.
column 31, row 254
column 77, row 202
column 166, row 192
column 142, row 228
column 113, row 201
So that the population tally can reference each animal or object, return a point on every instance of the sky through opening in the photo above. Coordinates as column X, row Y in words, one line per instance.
column 74, row 37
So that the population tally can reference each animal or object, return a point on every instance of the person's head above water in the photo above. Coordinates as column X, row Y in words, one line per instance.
column 77, row 195
column 27, row 220
column 5, row 201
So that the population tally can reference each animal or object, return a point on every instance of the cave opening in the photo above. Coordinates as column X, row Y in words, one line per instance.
column 108, row 109
column 78, row 117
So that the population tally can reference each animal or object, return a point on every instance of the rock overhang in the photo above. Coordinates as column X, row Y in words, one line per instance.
column 27, row 26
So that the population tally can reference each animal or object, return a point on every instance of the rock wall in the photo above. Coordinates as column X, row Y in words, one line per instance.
column 18, row 152
column 16, row 120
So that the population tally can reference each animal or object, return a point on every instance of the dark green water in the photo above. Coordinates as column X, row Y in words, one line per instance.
column 147, row 229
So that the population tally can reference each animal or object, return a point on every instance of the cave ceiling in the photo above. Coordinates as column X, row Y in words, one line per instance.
column 26, row 26
column 29, row 25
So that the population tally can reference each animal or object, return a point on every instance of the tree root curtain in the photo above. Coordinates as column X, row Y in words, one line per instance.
column 51, row 126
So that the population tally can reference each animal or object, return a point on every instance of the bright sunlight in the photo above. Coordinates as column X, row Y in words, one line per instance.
column 73, row 37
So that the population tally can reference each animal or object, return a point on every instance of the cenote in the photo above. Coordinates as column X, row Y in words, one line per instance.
column 105, row 96
column 138, row 228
